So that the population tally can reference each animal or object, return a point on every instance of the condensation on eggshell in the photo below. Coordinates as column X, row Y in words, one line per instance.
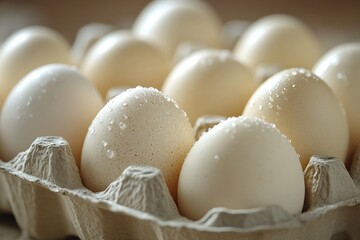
column 28, row 49
column 241, row 163
column 141, row 126
column 210, row 82
column 279, row 40
column 170, row 23
column 306, row 110
column 121, row 59
column 339, row 68
column 53, row 100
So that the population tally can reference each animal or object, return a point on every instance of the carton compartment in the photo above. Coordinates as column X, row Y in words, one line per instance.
column 43, row 189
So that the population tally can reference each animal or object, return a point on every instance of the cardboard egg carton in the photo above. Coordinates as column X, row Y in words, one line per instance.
column 43, row 189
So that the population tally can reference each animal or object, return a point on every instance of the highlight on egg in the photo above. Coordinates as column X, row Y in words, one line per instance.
column 339, row 68
column 280, row 40
column 306, row 110
column 141, row 126
column 241, row 163
column 53, row 100
column 28, row 49
column 210, row 82
column 120, row 59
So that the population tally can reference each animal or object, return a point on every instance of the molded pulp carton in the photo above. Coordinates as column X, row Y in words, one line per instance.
column 43, row 189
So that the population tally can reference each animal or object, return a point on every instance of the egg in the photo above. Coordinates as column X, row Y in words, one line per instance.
column 339, row 68
column 86, row 37
column 53, row 100
column 27, row 49
column 210, row 82
column 120, row 59
column 278, row 40
column 141, row 126
column 169, row 23
column 306, row 110
column 241, row 163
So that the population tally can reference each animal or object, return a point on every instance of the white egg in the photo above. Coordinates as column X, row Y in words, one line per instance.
column 27, row 49
column 122, row 60
column 241, row 163
column 278, row 40
column 306, row 110
column 53, row 100
column 86, row 37
column 141, row 126
column 169, row 23
column 210, row 82
column 340, row 69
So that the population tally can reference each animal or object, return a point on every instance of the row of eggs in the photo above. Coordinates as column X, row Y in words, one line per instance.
column 242, row 162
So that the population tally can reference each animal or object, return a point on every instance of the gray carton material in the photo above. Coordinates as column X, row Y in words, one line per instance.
column 43, row 190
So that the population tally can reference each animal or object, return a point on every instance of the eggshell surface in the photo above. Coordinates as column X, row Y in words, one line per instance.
column 210, row 82
column 306, row 110
column 339, row 68
column 141, row 126
column 169, row 23
column 278, row 40
column 241, row 163
column 120, row 59
column 53, row 100
column 28, row 49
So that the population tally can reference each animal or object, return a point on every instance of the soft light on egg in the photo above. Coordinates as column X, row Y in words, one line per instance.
column 141, row 126
column 53, row 100
column 241, row 163
column 306, row 110
column 27, row 49
column 339, row 68
column 210, row 82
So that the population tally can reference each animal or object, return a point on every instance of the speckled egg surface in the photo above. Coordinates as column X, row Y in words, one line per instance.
column 141, row 126
column 306, row 110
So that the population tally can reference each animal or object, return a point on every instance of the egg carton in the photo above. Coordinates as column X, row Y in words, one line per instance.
column 42, row 188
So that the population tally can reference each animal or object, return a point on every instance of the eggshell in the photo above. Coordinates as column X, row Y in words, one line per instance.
column 120, row 59
column 169, row 23
column 210, row 82
column 241, row 163
column 53, row 100
column 86, row 37
column 279, row 40
column 141, row 126
column 28, row 49
column 306, row 110
column 340, row 69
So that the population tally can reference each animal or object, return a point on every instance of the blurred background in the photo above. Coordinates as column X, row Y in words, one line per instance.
column 333, row 22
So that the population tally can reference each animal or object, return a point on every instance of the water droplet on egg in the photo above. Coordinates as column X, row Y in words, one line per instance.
column 104, row 143
column 293, row 85
column 216, row 157
column 122, row 125
column 110, row 153
column 260, row 107
column 270, row 105
column 124, row 104
column 111, row 121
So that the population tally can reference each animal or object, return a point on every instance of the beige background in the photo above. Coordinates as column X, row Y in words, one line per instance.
column 334, row 21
